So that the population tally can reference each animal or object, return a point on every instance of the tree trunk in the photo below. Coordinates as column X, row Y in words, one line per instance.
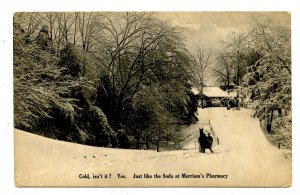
column 238, row 102
column 147, row 142
column 238, row 69
column 228, row 82
column 269, row 123
column 157, row 146
column 279, row 112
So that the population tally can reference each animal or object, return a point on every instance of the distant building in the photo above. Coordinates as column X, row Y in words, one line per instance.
column 215, row 96
column 214, row 92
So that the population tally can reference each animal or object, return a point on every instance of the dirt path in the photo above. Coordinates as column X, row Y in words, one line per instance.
column 244, row 157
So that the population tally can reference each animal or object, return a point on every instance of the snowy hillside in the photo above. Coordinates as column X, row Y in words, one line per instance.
column 243, row 158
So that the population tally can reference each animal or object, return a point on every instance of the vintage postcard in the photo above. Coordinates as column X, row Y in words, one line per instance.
column 152, row 99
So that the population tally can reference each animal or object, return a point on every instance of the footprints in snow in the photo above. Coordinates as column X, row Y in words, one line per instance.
column 93, row 156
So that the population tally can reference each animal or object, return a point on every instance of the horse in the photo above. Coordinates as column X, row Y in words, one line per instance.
column 205, row 141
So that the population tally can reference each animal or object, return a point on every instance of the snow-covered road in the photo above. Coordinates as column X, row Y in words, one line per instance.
column 243, row 158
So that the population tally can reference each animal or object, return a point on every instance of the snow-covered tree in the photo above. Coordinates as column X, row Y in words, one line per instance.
column 123, row 55
column 230, row 67
column 39, row 84
column 268, row 81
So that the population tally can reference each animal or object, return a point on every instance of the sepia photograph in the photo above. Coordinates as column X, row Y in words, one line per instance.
column 152, row 99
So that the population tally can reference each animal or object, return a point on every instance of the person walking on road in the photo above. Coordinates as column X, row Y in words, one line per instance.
column 209, row 140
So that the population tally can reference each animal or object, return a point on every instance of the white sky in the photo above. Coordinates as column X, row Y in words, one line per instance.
column 208, row 29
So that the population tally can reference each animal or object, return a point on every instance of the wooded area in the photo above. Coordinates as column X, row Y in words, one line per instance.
column 104, row 79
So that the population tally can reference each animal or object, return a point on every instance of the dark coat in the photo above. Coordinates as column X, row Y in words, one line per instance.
column 209, row 140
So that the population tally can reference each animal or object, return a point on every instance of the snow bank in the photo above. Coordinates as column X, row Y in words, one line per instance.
column 243, row 158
